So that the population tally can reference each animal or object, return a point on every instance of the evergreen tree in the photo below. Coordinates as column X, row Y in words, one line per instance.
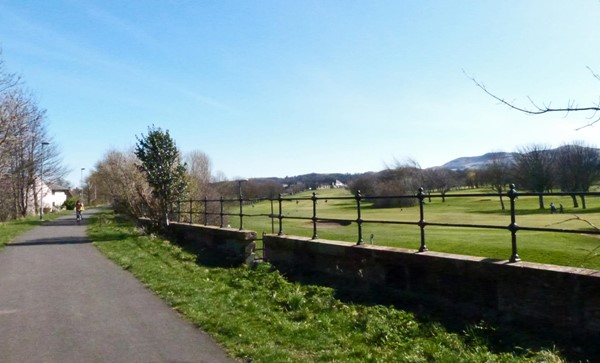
column 161, row 163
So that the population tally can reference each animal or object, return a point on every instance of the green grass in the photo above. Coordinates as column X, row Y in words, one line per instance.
column 11, row 229
column 577, row 250
column 258, row 316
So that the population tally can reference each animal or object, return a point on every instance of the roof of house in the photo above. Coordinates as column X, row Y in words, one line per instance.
column 58, row 188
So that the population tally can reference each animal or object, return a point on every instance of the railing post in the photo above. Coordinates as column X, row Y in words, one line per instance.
column 241, row 211
column 191, row 211
column 314, row 217
column 221, row 212
column 205, row 211
column 513, row 228
column 272, row 217
column 178, row 211
column 422, row 223
column 280, row 217
column 241, row 202
column 359, row 220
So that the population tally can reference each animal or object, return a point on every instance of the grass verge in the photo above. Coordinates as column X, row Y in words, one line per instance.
column 258, row 316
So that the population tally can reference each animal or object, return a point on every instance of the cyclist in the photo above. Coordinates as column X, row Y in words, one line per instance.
column 78, row 210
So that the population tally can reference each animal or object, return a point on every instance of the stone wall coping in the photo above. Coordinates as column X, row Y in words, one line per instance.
column 246, row 233
column 449, row 256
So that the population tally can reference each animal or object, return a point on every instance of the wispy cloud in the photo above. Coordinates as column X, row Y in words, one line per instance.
column 44, row 41
column 126, row 27
column 209, row 101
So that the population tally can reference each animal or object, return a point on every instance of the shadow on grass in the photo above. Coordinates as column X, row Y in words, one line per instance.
column 31, row 222
column 498, row 211
column 207, row 257
column 538, row 211
column 111, row 237
column 115, row 222
column 499, row 337
column 26, row 222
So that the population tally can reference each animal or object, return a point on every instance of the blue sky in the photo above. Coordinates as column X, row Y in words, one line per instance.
column 282, row 88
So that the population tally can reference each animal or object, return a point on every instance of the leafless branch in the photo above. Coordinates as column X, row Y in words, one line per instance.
column 575, row 218
column 592, row 253
column 538, row 110
column 593, row 73
column 7, row 80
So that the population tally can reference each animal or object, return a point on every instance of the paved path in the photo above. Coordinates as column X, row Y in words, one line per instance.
column 62, row 301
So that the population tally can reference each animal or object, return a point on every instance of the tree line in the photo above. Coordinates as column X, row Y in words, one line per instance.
column 572, row 168
column 26, row 149
column 152, row 178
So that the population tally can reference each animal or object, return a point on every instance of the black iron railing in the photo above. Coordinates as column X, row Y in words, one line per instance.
column 203, row 211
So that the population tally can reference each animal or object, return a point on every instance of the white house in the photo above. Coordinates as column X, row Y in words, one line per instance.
column 335, row 185
column 338, row 184
column 55, row 196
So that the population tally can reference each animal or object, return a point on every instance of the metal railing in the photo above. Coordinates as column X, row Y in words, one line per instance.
column 203, row 210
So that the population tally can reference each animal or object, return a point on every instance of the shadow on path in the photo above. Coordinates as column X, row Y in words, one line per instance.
column 63, row 221
column 52, row 241
column 61, row 300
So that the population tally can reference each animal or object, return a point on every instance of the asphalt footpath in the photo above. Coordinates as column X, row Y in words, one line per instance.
column 62, row 301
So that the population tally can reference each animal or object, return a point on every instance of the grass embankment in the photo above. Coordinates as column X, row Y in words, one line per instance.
column 11, row 229
column 259, row 316
column 566, row 249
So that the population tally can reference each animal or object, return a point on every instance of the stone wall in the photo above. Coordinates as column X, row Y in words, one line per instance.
column 545, row 297
column 231, row 246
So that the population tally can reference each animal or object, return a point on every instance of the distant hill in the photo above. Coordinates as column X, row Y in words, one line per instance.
column 477, row 162
column 313, row 180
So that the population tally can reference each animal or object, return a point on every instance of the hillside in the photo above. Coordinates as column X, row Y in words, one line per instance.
column 477, row 162
column 313, row 180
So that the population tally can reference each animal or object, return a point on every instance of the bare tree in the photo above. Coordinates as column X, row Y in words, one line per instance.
column 577, row 168
column 8, row 80
column 254, row 189
column 119, row 180
column 534, row 169
column 441, row 180
column 22, row 131
column 497, row 174
column 200, row 173
column 472, row 178
column 9, row 91
column 365, row 184
column 403, row 178
column 22, row 152
column 199, row 168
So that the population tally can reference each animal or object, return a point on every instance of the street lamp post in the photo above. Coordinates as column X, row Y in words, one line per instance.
column 81, row 184
column 44, row 143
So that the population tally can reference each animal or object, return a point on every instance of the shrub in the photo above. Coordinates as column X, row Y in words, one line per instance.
column 69, row 204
